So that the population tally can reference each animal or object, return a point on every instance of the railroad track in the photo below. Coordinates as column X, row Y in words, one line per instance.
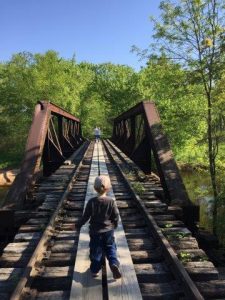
column 156, row 240
column 39, row 264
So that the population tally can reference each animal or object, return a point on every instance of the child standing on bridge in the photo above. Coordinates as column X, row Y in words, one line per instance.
column 103, row 214
column 97, row 134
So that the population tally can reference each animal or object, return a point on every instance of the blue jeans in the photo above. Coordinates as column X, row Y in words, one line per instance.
column 102, row 243
column 97, row 137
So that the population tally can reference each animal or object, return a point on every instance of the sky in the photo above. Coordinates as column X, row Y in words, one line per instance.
column 96, row 31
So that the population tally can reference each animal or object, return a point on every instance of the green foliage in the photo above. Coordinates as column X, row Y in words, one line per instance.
column 95, row 93
column 184, row 256
column 24, row 80
column 168, row 225
column 98, row 93
column 176, row 235
column 192, row 32
column 138, row 187
column 95, row 112
column 118, row 86
column 180, row 103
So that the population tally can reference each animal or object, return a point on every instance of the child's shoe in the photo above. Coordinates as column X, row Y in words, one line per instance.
column 95, row 275
column 116, row 271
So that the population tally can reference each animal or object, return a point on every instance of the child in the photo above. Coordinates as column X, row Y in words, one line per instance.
column 97, row 134
column 103, row 214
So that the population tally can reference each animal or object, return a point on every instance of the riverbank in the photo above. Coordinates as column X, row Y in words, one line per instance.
column 188, row 167
column 7, row 176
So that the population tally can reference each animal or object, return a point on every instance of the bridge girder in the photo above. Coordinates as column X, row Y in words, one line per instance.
column 138, row 132
column 53, row 136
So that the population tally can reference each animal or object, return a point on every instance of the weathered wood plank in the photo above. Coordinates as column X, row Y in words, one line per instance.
column 141, row 244
column 84, row 286
column 192, row 255
column 64, row 247
column 176, row 231
column 151, row 256
column 155, row 273
column 166, row 224
column 212, row 289
column 59, row 259
column 38, row 221
column 57, row 271
column 165, row 218
column 23, row 237
column 155, row 204
column 53, row 295
column 67, row 235
column 31, row 228
column 7, row 273
column 201, row 270
column 181, row 244
column 14, row 260
column 125, row 204
column 203, row 274
column 23, row 247
column 161, row 290
column 127, row 287
column 137, row 224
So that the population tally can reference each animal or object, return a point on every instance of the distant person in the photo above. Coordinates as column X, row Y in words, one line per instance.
column 103, row 214
column 97, row 133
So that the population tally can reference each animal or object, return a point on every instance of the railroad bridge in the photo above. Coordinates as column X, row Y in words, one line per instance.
column 45, row 256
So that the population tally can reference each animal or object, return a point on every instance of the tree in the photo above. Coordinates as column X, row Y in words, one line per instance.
column 117, row 85
column 113, row 89
column 28, row 78
column 95, row 93
column 192, row 32
column 179, row 104
column 16, row 94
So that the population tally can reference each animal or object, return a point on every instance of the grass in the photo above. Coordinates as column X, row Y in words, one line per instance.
column 138, row 187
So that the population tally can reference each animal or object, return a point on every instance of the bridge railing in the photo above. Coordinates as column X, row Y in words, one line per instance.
column 53, row 136
column 139, row 134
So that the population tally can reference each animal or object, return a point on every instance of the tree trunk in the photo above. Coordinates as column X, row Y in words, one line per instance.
column 212, row 165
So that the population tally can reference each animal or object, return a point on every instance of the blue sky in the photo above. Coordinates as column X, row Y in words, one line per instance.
column 95, row 30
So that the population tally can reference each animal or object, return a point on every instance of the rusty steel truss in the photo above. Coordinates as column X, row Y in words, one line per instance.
column 54, row 135
column 139, row 134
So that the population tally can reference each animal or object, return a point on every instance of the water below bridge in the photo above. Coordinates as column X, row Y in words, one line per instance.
column 198, row 185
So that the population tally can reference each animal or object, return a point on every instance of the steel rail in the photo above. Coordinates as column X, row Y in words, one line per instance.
column 190, row 289
column 42, row 244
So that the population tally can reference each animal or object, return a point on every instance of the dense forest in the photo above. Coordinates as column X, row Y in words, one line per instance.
column 184, row 75
column 98, row 93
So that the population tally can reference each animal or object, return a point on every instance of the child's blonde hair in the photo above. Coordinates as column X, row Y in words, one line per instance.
column 102, row 184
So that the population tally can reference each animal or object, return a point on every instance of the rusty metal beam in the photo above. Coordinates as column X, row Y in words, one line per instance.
column 167, row 167
column 44, row 144
column 59, row 111
column 152, row 141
